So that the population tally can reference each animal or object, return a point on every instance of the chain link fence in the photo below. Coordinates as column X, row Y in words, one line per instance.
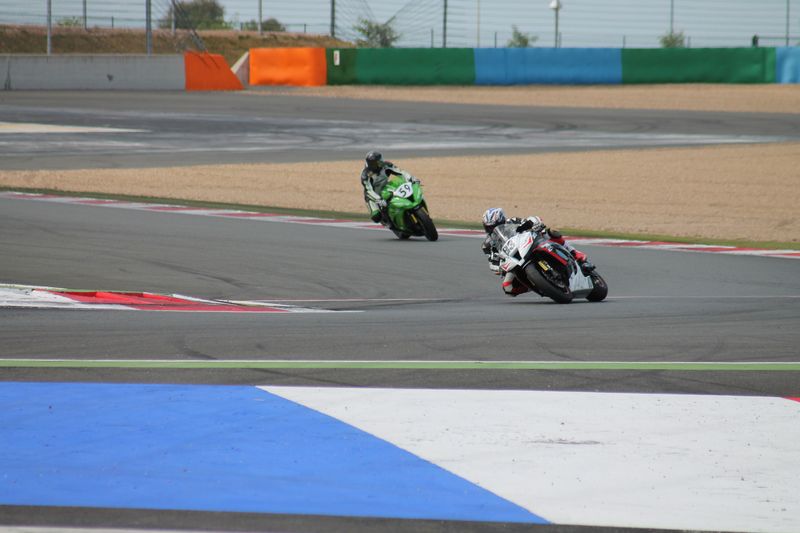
column 470, row 23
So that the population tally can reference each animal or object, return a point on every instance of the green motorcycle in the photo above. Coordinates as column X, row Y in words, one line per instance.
column 407, row 212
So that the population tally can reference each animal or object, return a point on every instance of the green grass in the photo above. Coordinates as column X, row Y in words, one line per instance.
column 577, row 232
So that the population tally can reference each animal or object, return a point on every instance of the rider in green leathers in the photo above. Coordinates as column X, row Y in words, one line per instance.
column 374, row 177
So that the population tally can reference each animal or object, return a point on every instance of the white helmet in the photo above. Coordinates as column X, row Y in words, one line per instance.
column 493, row 217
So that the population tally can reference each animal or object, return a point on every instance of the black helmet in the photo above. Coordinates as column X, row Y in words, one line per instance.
column 374, row 161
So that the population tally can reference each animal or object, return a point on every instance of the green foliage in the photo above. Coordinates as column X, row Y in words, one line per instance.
column 673, row 40
column 196, row 14
column 375, row 34
column 271, row 24
column 520, row 39
column 70, row 22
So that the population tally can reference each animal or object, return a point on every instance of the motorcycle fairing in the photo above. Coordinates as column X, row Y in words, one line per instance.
column 403, row 197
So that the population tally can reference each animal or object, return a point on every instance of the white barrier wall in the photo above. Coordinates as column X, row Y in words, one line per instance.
column 92, row 72
column 242, row 69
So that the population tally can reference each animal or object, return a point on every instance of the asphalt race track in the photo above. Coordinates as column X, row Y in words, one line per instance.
column 194, row 128
column 392, row 301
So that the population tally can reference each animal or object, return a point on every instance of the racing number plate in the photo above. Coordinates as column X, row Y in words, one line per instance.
column 404, row 191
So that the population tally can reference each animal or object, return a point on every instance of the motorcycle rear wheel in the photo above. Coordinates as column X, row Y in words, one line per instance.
column 562, row 295
column 600, row 290
column 427, row 224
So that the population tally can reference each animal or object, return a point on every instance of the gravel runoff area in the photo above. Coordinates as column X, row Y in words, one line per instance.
column 775, row 98
column 731, row 192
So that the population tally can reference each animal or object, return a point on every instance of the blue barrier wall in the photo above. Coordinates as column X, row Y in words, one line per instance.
column 787, row 67
column 511, row 66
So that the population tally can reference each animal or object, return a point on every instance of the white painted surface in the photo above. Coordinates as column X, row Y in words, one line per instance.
column 634, row 460
column 29, row 296
column 14, row 297
column 93, row 72
column 32, row 127
column 241, row 69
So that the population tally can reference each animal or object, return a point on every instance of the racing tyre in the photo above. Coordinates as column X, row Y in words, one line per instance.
column 600, row 290
column 562, row 295
column 427, row 224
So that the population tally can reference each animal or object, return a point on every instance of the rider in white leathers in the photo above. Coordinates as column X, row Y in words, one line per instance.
column 495, row 216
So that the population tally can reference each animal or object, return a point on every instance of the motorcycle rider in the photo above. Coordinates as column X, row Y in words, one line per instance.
column 495, row 216
column 377, row 172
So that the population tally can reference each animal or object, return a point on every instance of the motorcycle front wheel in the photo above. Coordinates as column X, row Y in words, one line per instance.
column 600, row 290
column 427, row 224
column 559, row 293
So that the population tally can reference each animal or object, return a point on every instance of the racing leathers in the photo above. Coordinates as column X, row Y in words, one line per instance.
column 374, row 183
column 511, row 285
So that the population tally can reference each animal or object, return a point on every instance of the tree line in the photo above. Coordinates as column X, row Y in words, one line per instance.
column 210, row 15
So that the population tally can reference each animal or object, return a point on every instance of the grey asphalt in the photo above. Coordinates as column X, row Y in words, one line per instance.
column 662, row 306
column 260, row 126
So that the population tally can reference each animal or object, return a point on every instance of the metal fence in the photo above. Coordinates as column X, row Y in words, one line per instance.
column 469, row 23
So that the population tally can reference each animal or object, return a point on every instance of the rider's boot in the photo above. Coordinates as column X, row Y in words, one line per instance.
column 586, row 266
column 512, row 286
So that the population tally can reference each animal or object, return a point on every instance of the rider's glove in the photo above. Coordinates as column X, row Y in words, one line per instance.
column 381, row 203
column 525, row 226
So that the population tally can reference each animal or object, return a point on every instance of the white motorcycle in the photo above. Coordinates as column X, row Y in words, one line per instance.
column 546, row 267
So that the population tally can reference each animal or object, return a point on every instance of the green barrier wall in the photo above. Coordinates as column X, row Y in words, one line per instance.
column 415, row 66
column 703, row 65
column 345, row 72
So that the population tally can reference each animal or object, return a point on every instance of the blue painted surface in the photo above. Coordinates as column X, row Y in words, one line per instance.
column 514, row 66
column 215, row 448
column 787, row 64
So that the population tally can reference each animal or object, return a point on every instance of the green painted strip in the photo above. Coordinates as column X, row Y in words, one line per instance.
column 402, row 365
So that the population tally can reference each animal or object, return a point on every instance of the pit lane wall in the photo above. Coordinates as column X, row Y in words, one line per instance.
column 191, row 72
column 508, row 66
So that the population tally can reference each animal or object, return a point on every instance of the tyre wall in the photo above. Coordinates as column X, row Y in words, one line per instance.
column 698, row 65
column 787, row 69
column 565, row 66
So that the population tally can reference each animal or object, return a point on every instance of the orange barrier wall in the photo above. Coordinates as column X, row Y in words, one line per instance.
column 288, row 66
column 209, row 72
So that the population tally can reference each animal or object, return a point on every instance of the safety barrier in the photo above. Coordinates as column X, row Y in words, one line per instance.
column 209, row 72
column 93, row 72
column 698, row 65
column 341, row 67
column 415, row 66
column 787, row 68
column 567, row 66
column 191, row 72
column 288, row 66
column 490, row 66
